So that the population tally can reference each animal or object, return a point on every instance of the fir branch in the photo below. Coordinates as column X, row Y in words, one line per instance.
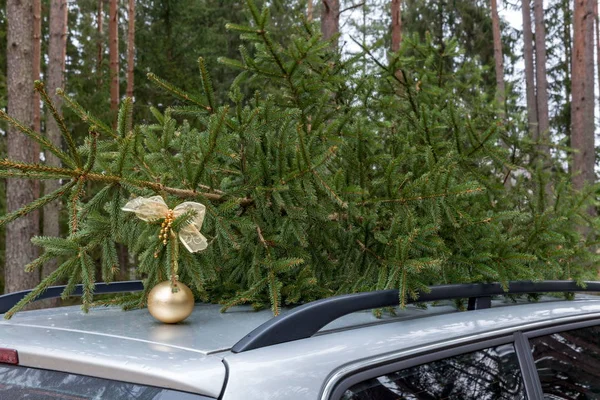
column 39, row 87
column 85, row 116
column 36, row 204
column 180, row 94
column 125, row 117
column 212, row 144
column 207, row 84
column 426, row 197
column 45, row 143
column 58, row 274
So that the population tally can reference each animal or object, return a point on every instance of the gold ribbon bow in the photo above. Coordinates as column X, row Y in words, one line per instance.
column 154, row 208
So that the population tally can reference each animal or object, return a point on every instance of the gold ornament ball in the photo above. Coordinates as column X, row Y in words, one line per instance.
column 169, row 307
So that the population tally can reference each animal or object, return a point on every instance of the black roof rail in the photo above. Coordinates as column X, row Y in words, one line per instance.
column 7, row 301
column 304, row 321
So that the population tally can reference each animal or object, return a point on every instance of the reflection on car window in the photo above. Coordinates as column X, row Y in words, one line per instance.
column 18, row 383
column 490, row 374
column 569, row 364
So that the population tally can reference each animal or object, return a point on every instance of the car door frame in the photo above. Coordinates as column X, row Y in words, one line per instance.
column 339, row 381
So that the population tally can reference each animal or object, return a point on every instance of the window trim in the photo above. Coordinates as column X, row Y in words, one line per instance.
column 347, row 375
column 370, row 371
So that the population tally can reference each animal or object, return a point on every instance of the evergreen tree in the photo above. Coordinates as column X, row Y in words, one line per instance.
column 325, row 181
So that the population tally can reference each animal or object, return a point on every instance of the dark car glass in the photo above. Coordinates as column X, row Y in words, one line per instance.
column 490, row 374
column 568, row 364
column 18, row 383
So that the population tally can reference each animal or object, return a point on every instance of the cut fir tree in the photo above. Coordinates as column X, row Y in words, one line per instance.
column 326, row 180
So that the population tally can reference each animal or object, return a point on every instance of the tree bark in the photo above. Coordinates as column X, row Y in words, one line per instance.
column 100, row 43
column 541, row 75
column 396, row 25
column 498, row 57
column 309, row 11
column 582, row 90
column 37, row 59
column 597, row 22
column 330, row 19
column 19, row 63
column 130, row 47
column 56, row 69
column 529, row 71
column 113, row 42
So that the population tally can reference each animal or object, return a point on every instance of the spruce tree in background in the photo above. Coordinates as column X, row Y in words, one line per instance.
column 325, row 181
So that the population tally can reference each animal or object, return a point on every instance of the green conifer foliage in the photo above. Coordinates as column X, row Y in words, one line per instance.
column 326, row 181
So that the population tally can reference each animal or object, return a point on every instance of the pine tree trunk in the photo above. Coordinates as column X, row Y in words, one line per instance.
column 567, row 65
column 597, row 22
column 37, row 66
column 37, row 59
column 396, row 25
column 19, row 71
column 113, row 42
column 498, row 58
column 541, row 74
column 56, row 68
column 309, row 11
column 529, row 71
column 130, row 47
column 582, row 89
column 100, row 45
column 330, row 19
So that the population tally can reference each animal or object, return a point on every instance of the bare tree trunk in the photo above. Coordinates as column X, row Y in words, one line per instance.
column 597, row 22
column 499, row 66
column 309, row 11
column 130, row 47
column 498, row 57
column 113, row 42
column 330, row 19
column 19, row 63
column 568, row 63
column 396, row 25
column 529, row 71
column 56, row 68
column 37, row 59
column 541, row 74
column 582, row 105
column 37, row 66
column 99, row 45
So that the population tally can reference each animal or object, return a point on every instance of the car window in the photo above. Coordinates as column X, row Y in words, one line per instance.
column 37, row 384
column 568, row 363
column 490, row 374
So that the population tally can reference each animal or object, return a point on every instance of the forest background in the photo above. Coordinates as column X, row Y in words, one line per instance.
column 521, row 126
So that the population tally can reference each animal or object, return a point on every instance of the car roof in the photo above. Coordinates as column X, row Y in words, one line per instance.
column 131, row 346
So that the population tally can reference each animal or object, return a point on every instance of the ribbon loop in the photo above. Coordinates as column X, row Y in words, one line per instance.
column 154, row 208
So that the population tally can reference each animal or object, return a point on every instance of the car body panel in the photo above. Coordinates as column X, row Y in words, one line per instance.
column 194, row 356
column 300, row 370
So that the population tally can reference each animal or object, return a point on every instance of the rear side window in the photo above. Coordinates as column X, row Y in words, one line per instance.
column 490, row 374
column 18, row 383
column 568, row 363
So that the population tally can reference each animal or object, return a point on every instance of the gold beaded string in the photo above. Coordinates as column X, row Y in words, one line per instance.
column 166, row 227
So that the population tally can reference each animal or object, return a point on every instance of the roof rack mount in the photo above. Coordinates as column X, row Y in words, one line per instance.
column 304, row 321
column 9, row 300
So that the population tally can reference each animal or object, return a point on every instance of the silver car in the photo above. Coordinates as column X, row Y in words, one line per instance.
column 331, row 349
